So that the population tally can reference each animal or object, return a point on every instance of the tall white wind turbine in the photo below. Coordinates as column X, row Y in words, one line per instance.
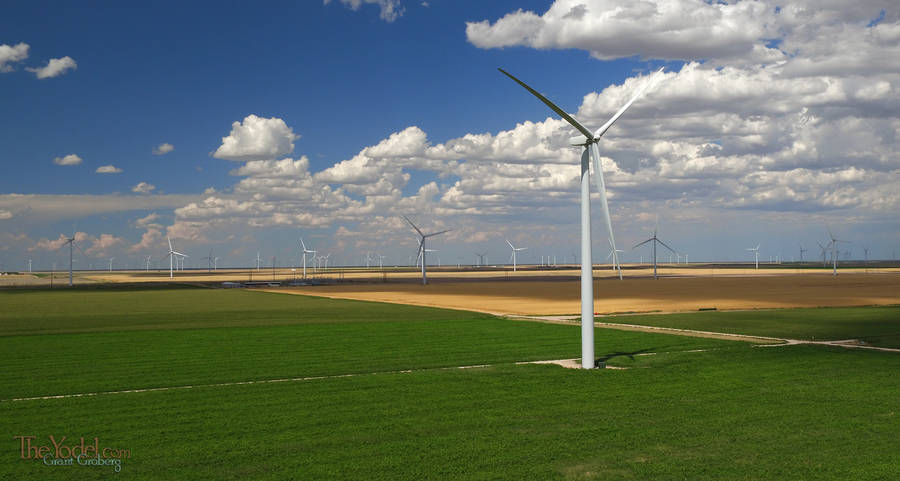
column 514, row 251
column 802, row 250
column 305, row 251
column 422, row 249
column 591, row 154
column 173, row 254
column 834, row 251
column 756, row 252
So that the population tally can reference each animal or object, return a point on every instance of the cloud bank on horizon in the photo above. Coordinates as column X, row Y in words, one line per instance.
column 784, row 112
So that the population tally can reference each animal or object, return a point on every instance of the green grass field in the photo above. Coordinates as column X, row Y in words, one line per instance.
column 878, row 326
column 689, row 408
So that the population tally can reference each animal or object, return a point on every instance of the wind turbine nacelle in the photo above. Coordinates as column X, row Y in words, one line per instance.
column 578, row 140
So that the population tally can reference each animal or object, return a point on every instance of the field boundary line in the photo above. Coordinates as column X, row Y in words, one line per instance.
column 241, row 383
column 762, row 341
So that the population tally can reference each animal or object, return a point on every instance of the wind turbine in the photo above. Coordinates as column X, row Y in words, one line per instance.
column 824, row 249
column 591, row 153
column 655, row 240
column 257, row 260
column 72, row 245
column 111, row 259
column 173, row 254
column 480, row 258
column 305, row 251
column 802, row 250
column 422, row 250
column 513, row 255
column 615, row 251
column 209, row 261
column 147, row 268
column 834, row 251
column 756, row 252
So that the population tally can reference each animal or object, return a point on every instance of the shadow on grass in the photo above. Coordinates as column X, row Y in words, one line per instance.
column 630, row 355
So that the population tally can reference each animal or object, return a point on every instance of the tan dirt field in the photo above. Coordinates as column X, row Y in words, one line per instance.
column 557, row 297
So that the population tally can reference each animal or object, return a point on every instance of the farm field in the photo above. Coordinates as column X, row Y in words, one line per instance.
column 543, row 297
column 254, row 385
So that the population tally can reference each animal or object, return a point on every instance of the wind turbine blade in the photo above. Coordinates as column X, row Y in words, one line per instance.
column 642, row 243
column 170, row 242
column 413, row 226
column 548, row 103
column 510, row 244
column 601, row 188
column 302, row 244
column 79, row 248
column 602, row 130
column 438, row 233
column 667, row 247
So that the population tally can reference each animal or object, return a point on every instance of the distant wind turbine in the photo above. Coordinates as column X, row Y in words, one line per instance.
column 173, row 256
column 615, row 266
column 834, row 251
column 591, row 153
column 422, row 250
column 756, row 252
column 655, row 240
column 305, row 251
column 802, row 250
column 72, row 245
column 514, row 251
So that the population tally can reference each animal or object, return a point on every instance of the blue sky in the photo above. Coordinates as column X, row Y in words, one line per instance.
column 736, row 146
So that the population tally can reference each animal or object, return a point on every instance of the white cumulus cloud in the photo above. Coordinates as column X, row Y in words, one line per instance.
column 108, row 169
column 670, row 29
column 70, row 159
column 10, row 54
column 257, row 138
column 390, row 9
column 163, row 149
column 54, row 68
column 143, row 188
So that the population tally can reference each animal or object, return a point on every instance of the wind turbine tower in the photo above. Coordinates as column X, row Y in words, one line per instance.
column 591, row 153
column 72, row 245
column 422, row 250
column 173, row 256
column 305, row 251
column 834, row 252
column 756, row 252
column 655, row 240
column 513, row 255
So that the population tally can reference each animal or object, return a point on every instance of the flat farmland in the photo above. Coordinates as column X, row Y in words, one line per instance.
column 235, row 384
column 687, row 293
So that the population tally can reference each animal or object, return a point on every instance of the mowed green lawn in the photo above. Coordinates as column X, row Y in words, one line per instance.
column 694, row 409
column 878, row 326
